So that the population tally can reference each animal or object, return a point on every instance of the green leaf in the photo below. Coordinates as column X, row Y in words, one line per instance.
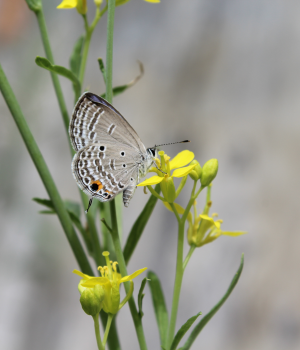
column 46, row 64
column 207, row 317
column 119, row 89
column 160, row 308
column 75, row 59
column 46, row 202
column 141, row 296
column 102, row 68
column 139, row 225
column 47, row 212
column 183, row 330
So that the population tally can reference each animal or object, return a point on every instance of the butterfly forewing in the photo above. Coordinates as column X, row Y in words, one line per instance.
column 94, row 120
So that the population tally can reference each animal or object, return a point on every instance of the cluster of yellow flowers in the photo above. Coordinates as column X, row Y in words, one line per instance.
column 81, row 5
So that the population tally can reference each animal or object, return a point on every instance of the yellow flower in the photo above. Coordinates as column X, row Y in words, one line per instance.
column 165, row 178
column 79, row 4
column 109, row 282
column 205, row 230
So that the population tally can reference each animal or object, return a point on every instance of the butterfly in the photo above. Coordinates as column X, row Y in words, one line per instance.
column 110, row 156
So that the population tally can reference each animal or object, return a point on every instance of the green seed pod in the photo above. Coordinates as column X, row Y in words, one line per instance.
column 209, row 172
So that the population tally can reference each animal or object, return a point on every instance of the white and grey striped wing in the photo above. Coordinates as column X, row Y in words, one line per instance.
column 95, row 120
column 102, row 172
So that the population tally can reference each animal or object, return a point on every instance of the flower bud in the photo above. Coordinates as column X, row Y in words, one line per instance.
column 209, row 172
column 81, row 7
column 34, row 5
column 98, row 2
column 196, row 172
column 91, row 299
column 168, row 189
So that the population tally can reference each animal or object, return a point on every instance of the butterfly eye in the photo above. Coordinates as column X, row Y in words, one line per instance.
column 122, row 153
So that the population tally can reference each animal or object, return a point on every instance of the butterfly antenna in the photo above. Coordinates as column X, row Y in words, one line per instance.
column 172, row 143
column 89, row 205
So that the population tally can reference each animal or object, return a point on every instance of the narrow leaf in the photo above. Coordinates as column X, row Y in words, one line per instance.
column 102, row 68
column 46, row 202
column 139, row 225
column 183, row 330
column 160, row 308
column 46, row 64
column 75, row 59
column 207, row 317
column 141, row 296
column 119, row 89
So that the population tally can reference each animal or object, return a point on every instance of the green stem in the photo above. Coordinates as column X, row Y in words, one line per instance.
column 180, row 265
column 55, row 80
column 97, row 332
column 89, row 32
column 109, row 49
column 177, row 284
column 44, row 173
column 122, row 265
column 107, row 328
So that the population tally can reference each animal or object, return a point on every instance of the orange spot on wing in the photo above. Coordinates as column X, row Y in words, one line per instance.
column 100, row 186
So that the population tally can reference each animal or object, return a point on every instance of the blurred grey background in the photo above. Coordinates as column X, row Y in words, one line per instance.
column 224, row 74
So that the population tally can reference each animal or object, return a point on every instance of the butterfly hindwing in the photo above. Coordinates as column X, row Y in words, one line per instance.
column 102, row 172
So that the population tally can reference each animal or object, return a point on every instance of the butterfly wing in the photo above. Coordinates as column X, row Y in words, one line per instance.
column 101, row 172
column 95, row 120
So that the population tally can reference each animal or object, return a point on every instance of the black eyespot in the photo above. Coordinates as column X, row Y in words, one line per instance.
column 122, row 153
column 131, row 179
column 101, row 148
column 124, row 165
column 94, row 187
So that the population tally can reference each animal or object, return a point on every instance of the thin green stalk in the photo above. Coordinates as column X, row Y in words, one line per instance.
column 177, row 284
column 55, row 80
column 122, row 265
column 44, row 173
column 180, row 265
column 109, row 49
column 189, row 254
column 107, row 328
column 89, row 32
column 97, row 332
column 152, row 190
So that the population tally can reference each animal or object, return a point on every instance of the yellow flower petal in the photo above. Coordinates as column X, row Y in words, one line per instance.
column 152, row 181
column 132, row 276
column 154, row 1
column 233, row 233
column 91, row 282
column 183, row 171
column 183, row 158
column 67, row 4
column 79, row 273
